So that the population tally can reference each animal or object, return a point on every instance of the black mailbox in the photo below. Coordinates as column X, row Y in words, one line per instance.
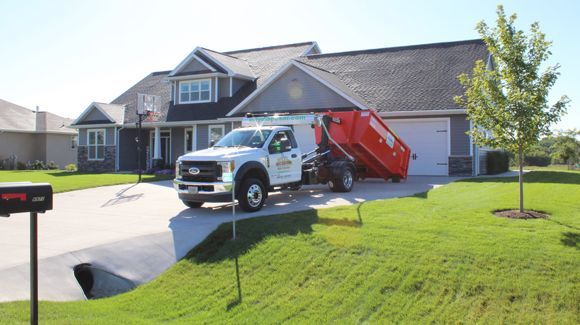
column 25, row 197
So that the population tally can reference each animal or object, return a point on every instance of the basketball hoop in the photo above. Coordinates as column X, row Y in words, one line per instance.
column 148, row 108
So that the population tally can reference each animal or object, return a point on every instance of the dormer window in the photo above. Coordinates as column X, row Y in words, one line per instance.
column 194, row 91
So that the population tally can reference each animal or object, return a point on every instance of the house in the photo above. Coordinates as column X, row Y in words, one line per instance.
column 206, row 95
column 29, row 135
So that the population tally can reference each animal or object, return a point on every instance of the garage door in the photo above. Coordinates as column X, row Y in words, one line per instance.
column 428, row 140
column 305, row 136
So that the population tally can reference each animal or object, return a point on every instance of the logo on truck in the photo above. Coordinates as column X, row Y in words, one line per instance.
column 194, row 170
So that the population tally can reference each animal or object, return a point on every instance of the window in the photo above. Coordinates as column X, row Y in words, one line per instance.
column 195, row 91
column 282, row 141
column 189, row 138
column 216, row 132
column 96, row 144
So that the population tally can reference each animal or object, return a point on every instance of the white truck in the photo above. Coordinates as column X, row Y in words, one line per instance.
column 266, row 157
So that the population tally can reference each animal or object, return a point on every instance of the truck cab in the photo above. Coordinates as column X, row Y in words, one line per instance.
column 255, row 159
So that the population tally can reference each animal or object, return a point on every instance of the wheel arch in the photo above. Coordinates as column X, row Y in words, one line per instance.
column 252, row 169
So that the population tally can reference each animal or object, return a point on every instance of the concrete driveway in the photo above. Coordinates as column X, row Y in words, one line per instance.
column 138, row 231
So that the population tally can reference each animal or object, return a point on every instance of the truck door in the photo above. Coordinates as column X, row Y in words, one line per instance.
column 285, row 161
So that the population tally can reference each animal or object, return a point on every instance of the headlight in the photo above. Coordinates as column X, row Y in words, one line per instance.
column 177, row 168
column 228, row 168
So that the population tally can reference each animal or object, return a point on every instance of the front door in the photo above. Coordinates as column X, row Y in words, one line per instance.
column 165, row 143
column 285, row 162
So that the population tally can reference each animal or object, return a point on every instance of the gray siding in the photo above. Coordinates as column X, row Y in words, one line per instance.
column 459, row 139
column 194, row 66
column 109, row 136
column 60, row 149
column 202, row 137
column 296, row 90
column 128, row 149
column 95, row 115
column 23, row 145
column 224, row 87
column 177, row 143
column 237, row 84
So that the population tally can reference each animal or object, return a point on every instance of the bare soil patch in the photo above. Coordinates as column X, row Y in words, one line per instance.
column 516, row 214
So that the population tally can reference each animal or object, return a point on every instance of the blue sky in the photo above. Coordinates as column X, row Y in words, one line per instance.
column 62, row 55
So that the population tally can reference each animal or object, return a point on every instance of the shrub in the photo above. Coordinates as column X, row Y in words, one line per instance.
column 20, row 165
column 35, row 165
column 537, row 159
column 70, row 168
column 497, row 162
column 52, row 165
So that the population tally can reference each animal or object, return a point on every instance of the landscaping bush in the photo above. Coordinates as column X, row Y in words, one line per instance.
column 537, row 159
column 52, row 165
column 20, row 165
column 36, row 165
column 497, row 162
column 70, row 168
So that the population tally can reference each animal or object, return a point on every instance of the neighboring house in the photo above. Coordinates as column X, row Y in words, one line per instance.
column 205, row 96
column 35, row 135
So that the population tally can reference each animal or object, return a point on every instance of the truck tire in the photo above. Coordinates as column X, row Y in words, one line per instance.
column 252, row 195
column 342, row 178
column 192, row 204
column 396, row 179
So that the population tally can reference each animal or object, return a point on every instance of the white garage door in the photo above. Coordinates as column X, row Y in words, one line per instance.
column 429, row 142
column 305, row 136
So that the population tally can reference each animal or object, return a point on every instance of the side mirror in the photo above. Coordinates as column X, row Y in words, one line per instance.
column 211, row 143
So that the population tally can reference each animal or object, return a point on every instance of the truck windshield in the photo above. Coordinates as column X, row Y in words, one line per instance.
column 253, row 138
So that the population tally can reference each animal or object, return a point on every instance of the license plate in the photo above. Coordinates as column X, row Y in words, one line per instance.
column 192, row 189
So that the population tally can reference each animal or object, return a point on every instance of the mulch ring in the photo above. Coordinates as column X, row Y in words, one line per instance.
column 516, row 214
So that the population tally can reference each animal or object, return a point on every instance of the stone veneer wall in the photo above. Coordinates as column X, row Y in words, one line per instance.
column 96, row 166
column 460, row 166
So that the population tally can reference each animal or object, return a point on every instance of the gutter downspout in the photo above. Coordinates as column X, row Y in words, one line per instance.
column 117, row 148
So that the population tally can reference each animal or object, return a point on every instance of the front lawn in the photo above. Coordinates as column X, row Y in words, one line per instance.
column 63, row 181
column 436, row 257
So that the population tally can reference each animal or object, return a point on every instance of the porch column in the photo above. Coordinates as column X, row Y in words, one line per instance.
column 157, row 144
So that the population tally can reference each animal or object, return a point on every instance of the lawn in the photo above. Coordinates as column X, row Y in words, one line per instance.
column 436, row 257
column 63, row 181
column 550, row 167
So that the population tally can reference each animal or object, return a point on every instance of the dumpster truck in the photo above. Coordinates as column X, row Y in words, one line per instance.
column 263, row 156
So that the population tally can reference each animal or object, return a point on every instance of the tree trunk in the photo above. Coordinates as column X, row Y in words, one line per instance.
column 521, row 178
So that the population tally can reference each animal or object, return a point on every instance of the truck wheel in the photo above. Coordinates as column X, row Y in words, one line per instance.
column 396, row 179
column 252, row 195
column 192, row 204
column 343, row 179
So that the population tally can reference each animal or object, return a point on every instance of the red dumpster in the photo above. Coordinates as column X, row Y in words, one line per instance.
column 377, row 150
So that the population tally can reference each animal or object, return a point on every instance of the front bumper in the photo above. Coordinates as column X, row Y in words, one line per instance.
column 203, row 191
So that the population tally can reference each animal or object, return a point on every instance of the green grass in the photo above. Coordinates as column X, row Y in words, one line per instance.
column 550, row 167
column 436, row 257
column 63, row 181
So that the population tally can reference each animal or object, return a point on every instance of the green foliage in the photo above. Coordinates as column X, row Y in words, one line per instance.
column 438, row 257
column 70, row 168
column 508, row 99
column 537, row 159
column 566, row 147
column 20, row 165
column 497, row 162
column 51, row 165
column 36, row 165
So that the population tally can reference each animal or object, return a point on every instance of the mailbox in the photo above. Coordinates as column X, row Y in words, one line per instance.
column 25, row 197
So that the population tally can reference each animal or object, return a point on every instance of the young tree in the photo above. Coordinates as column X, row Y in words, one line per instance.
column 506, row 98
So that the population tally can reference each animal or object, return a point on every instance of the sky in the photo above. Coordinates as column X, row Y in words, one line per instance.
column 63, row 55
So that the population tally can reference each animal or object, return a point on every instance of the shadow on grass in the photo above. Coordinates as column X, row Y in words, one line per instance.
column 218, row 246
column 571, row 239
column 555, row 177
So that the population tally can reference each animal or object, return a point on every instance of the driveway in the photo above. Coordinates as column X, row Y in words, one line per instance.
column 138, row 231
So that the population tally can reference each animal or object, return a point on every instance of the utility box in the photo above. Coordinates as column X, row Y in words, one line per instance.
column 25, row 197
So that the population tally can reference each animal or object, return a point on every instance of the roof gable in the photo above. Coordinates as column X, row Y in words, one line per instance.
column 101, row 113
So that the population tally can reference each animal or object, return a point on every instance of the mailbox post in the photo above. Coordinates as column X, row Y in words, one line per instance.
column 33, row 198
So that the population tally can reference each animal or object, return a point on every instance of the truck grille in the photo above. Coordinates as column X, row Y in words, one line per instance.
column 209, row 171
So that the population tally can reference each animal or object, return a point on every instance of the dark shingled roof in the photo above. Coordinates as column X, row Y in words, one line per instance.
column 408, row 78
column 263, row 62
